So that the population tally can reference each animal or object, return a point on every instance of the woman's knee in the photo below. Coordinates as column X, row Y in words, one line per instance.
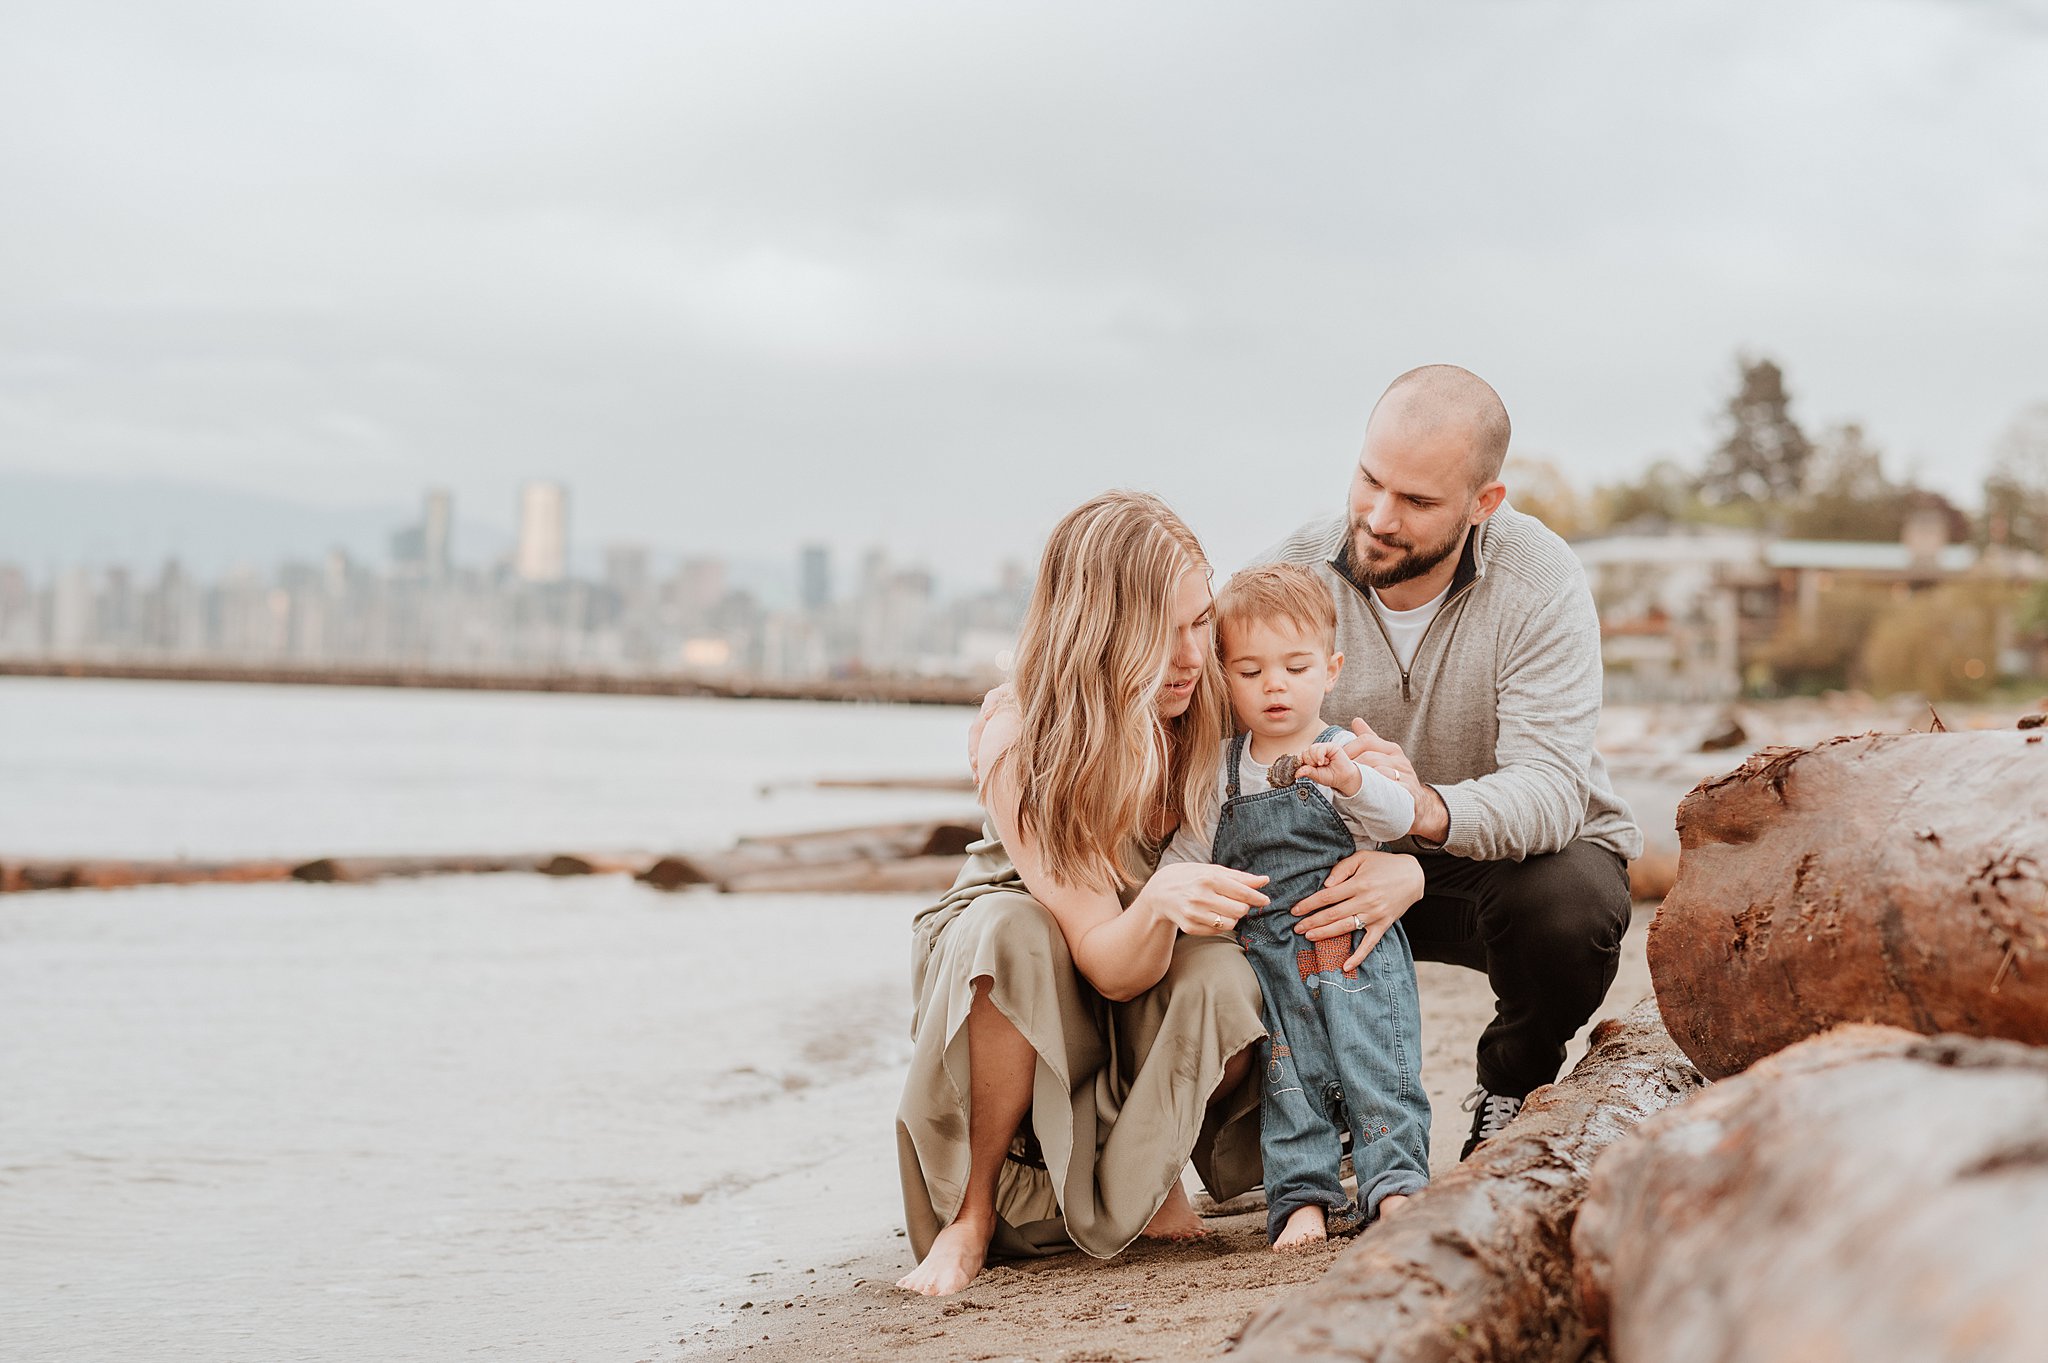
column 1208, row 973
column 1007, row 927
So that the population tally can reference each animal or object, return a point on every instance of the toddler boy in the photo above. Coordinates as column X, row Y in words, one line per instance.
column 1344, row 1033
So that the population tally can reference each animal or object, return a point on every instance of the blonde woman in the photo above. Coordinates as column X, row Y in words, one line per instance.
column 1083, row 1025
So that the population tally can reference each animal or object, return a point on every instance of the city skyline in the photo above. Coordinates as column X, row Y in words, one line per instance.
column 424, row 606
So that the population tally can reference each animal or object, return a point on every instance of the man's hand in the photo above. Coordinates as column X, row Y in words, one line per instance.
column 1368, row 892
column 1432, row 820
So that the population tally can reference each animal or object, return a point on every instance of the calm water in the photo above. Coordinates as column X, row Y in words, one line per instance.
column 506, row 1116
column 155, row 769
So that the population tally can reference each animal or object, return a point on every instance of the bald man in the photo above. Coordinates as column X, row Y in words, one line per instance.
column 1473, row 660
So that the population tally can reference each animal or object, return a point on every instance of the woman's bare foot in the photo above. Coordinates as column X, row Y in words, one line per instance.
column 1392, row 1204
column 955, row 1258
column 1304, row 1227
column 1175, row 1219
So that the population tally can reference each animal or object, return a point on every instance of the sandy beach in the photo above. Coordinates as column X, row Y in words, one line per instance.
column 1156, row 1301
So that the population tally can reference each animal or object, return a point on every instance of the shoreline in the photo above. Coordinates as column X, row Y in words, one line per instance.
column 1157, row 1300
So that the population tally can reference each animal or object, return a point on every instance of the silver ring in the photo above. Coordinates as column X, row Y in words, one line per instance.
column 1357, row 923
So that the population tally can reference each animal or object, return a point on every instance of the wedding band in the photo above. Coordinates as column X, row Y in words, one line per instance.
column 1357, row 923
column 1219, row 920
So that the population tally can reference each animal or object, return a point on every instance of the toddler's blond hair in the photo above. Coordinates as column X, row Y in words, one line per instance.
column 1277, row 591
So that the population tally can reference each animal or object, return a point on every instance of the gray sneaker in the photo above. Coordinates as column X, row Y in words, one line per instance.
column 1491, row 1114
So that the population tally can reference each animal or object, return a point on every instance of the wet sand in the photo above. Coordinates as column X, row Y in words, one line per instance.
column 1156, row 1301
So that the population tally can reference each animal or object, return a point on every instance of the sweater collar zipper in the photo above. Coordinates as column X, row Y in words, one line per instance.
column 1407, row 696
column 1342, row 563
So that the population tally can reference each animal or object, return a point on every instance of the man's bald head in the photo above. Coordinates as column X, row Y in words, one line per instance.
column 1439, row 399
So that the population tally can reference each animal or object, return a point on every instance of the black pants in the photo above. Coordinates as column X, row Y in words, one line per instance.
column 1547, row 931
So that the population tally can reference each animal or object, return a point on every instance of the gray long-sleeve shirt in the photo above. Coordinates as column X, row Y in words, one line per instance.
column 1498, row 708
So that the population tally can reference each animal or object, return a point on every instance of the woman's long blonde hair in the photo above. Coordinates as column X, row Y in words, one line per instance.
column 1095, row 765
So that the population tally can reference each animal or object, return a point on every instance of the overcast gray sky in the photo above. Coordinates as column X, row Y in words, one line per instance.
column 927, row 274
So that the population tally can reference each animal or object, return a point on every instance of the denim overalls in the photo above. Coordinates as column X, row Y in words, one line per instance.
column 1339, row 1042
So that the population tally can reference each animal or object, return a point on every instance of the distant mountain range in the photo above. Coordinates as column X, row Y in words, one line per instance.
column 50, row 522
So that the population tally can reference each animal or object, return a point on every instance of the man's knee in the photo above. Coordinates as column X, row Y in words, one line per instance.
column 1564, row 904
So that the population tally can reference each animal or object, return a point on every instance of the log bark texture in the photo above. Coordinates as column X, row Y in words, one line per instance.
column 1871, row 1194
column 1891, row 878
column 1478, row 1267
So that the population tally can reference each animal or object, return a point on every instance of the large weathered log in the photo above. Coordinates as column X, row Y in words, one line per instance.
column 1893, row 878
column 1870, row 1194
column 1478, row 1267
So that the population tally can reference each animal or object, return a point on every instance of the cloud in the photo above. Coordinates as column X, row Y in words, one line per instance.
column 926, row 273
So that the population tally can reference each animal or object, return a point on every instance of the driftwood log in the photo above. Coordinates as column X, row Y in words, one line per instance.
column 19, row 877
column 362, row 870
column 1871, row 1194
column 1478, row 1267
column 1891, row 878
column 918, row 856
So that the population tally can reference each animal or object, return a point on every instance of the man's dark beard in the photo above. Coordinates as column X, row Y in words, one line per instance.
column 1411, row 565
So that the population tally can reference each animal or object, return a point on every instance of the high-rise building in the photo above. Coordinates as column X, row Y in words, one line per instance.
column 814, row 576
column 437, row 531
column 543, row 551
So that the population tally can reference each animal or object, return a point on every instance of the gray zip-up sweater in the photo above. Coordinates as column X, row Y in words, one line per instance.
column 1498, row 709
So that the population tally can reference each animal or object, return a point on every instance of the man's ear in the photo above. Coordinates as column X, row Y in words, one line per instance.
column 1488, row 501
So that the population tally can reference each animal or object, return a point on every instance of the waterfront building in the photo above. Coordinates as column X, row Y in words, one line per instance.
column 542, row 554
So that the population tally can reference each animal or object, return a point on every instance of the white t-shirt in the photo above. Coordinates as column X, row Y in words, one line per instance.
column 1406, row 628
column 1381, row 811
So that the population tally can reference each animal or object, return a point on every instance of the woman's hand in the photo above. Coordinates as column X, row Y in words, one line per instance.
column 1201, row 899
column 1366, row 892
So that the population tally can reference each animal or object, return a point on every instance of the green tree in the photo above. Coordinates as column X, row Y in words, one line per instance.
column 2016, row 490
column 1847, row 496
column 1540, row 488
column 1662, row 494
column 1763, row 454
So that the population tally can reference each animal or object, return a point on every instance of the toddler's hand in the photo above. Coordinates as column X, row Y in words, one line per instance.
column 1327, row 764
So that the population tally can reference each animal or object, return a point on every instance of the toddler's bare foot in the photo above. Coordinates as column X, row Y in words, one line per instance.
column 954, row 1259
column 1392, row 1204
column 1175, row 1219
column 1305, row 1227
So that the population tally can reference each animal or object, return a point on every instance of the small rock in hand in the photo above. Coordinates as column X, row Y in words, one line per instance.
column 1285, row 769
